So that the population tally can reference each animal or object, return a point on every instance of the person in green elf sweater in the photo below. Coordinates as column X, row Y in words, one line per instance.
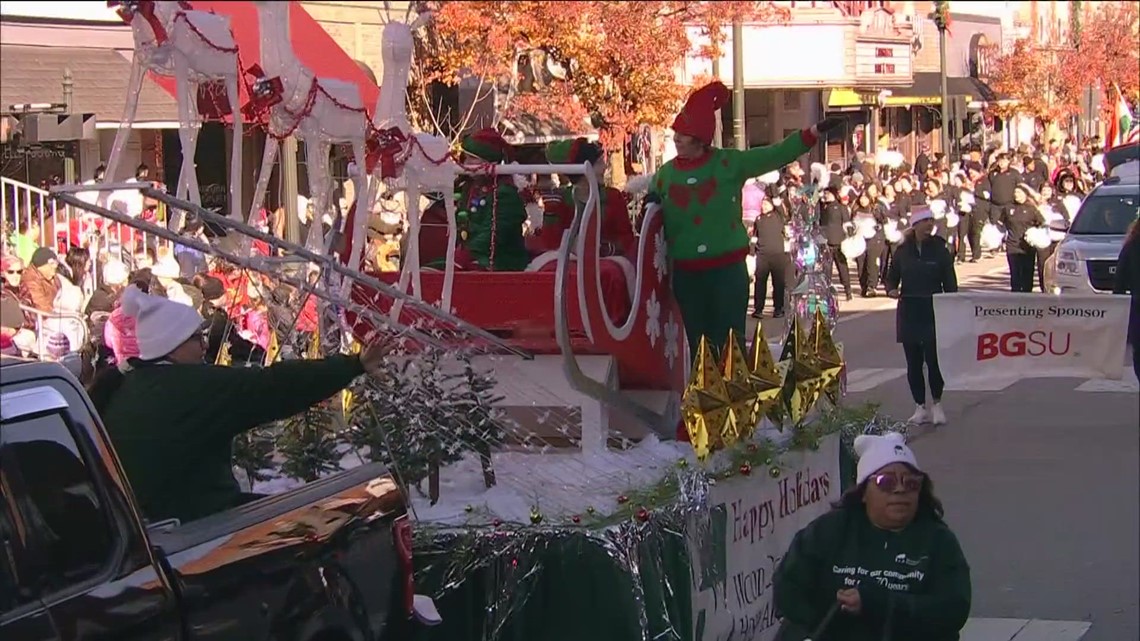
column 172, row 418
column 491, row 210
column 881, row 565
column 705, row 235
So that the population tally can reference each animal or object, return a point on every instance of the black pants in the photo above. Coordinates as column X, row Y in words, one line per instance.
column 1042, row 256
column 840, row 262
column 969, row 232
column 1020, row 271
column 778, row 267
column 869, row 264
column 917, row 355
column 888, row 256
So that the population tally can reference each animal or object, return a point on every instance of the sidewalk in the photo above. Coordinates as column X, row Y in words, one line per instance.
column 1023, row 630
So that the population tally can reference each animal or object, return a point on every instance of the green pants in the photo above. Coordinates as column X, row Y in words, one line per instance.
column 713, row 301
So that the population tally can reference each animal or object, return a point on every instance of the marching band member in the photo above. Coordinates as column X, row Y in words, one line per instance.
column 970, row 221
column 704, row 231
column 869, row 218
column 1057, row 219
column 771, row 257
column 1018, row 219
column 833, row 221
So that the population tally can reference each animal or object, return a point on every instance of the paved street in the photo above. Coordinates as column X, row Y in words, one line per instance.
column 1039, row 481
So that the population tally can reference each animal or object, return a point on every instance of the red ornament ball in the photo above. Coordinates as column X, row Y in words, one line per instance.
column 642, row 514
column 497, row 522
column 576, row 519
column 622, row 499
column 752, row 448
column 745, row 469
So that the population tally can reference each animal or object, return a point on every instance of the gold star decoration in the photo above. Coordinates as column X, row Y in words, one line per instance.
column 803, row 382
column 741, row 421
column 828, row 356
column 705, row 404
column 767, row 378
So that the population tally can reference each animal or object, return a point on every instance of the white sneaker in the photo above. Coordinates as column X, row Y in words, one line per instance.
column 937, row 415
column 920, row 416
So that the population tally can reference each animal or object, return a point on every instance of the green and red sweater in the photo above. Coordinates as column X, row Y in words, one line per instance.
column 704, row 226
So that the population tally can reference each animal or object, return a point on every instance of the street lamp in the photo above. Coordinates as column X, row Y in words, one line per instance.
column 941, row 18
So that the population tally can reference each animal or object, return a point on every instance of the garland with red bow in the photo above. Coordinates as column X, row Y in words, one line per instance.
column 127, row 11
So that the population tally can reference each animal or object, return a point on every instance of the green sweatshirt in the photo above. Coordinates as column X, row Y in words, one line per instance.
column 918, row 576
column 173, row 425
column 704, row 226
column 504, row 211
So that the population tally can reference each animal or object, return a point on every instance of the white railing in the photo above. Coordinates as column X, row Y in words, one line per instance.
column 42, row 336
column 61, row 226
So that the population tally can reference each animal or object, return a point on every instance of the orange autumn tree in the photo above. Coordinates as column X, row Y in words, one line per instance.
column 1033, row 77
column 1106, row 52
column 611, row 65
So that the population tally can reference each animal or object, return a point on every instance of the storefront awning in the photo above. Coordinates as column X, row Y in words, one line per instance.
column 32, row 75
column 314, row 47
column 926, row 90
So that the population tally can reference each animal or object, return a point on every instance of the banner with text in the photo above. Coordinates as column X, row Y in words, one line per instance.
column 753, row 520
column 988, row 340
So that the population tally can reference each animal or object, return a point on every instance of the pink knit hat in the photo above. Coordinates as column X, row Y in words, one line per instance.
column 119, row 333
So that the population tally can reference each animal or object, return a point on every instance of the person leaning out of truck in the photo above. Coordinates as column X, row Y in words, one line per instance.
column 882, row 564
column 172, row 418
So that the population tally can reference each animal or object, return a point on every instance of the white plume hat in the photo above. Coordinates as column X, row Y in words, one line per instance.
column 161, row 325
column 877, row 452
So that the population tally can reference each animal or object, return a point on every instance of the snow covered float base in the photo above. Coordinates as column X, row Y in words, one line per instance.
column 650, row 544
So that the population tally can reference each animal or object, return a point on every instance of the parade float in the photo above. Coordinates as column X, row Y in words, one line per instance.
column 529, row 415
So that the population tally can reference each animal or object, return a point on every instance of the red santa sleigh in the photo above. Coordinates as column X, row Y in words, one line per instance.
column 573, row 301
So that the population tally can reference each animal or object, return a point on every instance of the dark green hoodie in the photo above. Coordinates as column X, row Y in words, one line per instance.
column 173, row 425
column 918, row 578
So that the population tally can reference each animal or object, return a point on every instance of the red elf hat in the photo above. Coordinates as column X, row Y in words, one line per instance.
column 698, row 116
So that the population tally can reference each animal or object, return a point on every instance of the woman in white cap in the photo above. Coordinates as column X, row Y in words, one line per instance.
column 922, row 267
column 883, row 564
column 173, row 418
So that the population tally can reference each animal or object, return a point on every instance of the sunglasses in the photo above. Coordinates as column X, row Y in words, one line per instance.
column 892, row 482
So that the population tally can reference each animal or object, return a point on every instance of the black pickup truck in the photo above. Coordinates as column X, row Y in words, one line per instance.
column 329, row 561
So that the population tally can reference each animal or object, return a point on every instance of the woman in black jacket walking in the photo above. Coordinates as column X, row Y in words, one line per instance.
column 923, row 266
column 1017, row 219
column 1128, row 281
column 833, row 218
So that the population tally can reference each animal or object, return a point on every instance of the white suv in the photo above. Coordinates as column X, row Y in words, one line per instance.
column 1085, row 261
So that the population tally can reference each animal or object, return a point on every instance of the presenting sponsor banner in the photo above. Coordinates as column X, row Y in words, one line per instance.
column 753, row 519
column 989, row 340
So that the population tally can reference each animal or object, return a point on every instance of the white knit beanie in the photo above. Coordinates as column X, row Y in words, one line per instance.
column 161, row 325
column 877, row 452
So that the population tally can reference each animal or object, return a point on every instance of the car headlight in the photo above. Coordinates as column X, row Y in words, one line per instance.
column 1068, row 264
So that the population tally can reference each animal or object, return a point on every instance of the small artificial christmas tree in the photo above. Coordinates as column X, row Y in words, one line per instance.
column 424, row 414
column 481, row 424
column 308, row 442
column 253, row 454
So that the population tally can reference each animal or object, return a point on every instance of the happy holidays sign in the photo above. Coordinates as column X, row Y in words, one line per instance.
column 753, row 520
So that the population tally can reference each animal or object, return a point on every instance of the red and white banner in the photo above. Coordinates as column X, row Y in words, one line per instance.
column 988, row 340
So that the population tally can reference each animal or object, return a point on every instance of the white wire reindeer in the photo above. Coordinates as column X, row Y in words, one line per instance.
column 320, row 111
column 193, row 47
column 427, row 164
